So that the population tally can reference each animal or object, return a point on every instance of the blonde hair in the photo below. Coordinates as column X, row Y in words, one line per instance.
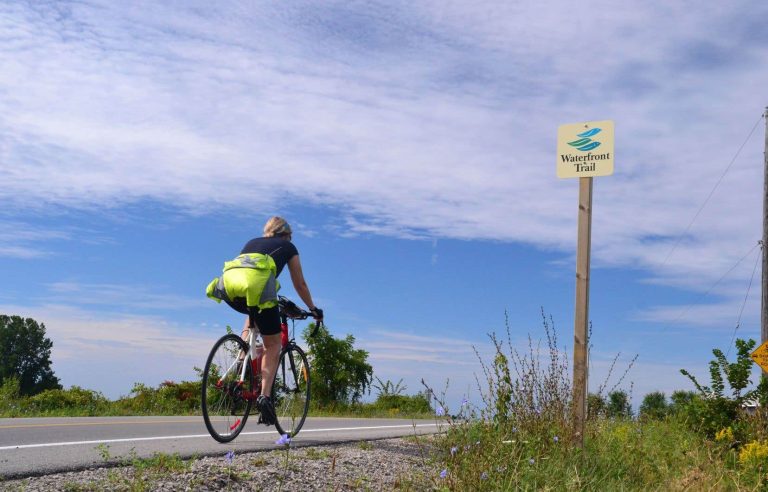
column 276, row 226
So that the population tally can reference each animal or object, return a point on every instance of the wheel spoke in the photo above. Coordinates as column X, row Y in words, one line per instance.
column 290, row 391
column 225, row 411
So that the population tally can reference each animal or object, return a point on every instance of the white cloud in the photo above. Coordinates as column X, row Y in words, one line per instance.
column 427, row 120
column 24, row 241
column 131, row 297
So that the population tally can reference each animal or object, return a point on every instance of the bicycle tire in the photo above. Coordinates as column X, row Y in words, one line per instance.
column 225, row 410
column 291, row 390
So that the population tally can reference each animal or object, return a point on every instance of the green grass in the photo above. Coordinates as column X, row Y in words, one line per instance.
column 520, row 438
column 617, row 455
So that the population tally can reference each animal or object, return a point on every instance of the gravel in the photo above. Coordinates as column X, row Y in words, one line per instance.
column 388, row 464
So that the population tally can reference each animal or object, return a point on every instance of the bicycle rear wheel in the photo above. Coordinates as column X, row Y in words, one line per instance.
column 290, row 391
column 226, row 400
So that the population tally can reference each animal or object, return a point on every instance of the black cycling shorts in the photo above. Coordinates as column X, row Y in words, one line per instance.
column 268, row 320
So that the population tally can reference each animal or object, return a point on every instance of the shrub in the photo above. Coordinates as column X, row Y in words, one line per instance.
column 77, row 400
column 168, row 398
column 530, row 390
column 595, row 406
column 713, row 409
column 403, row 404
column 618, row 405
column 10, row 406
column 654, row 406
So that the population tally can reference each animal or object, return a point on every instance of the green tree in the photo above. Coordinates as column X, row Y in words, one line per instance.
column 595, row 406
column 618, row 404
column 339, row 372
column 654, row 406
column 26, row 355
column 681, row 400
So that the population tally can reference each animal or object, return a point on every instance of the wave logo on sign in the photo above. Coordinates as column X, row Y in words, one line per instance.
column 585, row 142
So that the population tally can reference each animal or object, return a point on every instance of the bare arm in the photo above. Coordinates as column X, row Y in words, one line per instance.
column 297, row 277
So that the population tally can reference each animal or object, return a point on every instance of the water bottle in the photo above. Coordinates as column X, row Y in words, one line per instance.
column 257, row 350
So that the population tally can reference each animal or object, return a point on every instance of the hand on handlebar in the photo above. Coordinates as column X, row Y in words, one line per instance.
column 317, row 313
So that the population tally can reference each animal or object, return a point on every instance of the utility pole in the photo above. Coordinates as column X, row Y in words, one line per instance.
column 764, row 296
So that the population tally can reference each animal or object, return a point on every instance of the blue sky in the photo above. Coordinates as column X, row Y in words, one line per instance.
column 412, row 147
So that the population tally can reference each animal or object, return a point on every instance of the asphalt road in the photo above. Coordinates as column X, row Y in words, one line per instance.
column 40, row 446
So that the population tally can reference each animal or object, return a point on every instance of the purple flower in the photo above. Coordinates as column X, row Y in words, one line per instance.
column 556, row 439
column 454, row 450
column 444, row 473
column 484, row 476
column 531, row 461
column 464, row 401
column 284, row 440
column 230, row 456
column 514, row 429
column 440, row 411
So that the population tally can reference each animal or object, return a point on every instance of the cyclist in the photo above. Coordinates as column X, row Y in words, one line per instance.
column 276, row 243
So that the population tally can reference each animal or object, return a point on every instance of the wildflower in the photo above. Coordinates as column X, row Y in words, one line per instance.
column 754, row 451
column 444, row 473
column 531, row 461
column 464, row 401
column 440, row 411
column 230, row 456
column 514, row 429
column 725, row 435
column 484, row 476
column 454, row 450
column 284, row 440
column 477, row 443
column 556, row 439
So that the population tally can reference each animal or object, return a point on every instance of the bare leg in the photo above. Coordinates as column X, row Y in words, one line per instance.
column 272, row 346
column 246, row 329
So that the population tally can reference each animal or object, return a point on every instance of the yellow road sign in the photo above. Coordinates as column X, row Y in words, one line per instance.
column 585, row 149
column 760, row 356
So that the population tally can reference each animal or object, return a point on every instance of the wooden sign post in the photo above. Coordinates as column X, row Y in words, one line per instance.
column 581, row 325
column 584, row 150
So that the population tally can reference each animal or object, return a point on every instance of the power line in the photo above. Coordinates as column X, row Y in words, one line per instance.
column 738, row 321
column 712, row 192
column 698, row 300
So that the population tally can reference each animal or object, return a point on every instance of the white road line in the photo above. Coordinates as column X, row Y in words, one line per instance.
column 136, row 439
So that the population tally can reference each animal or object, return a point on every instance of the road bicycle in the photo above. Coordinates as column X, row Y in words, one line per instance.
column 232, row 379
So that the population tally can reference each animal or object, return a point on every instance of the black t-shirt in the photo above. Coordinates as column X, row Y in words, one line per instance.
column 281, row 250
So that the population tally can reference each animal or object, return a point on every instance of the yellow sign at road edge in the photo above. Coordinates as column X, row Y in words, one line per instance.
column 760, row 356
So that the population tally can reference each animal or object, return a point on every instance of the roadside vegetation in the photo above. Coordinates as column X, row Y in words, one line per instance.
column 713, row 438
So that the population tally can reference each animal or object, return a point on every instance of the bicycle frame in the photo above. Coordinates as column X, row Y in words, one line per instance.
column 253, row 335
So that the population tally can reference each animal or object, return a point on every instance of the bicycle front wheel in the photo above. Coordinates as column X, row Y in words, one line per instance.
column 226, row 399
column 290, row 391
